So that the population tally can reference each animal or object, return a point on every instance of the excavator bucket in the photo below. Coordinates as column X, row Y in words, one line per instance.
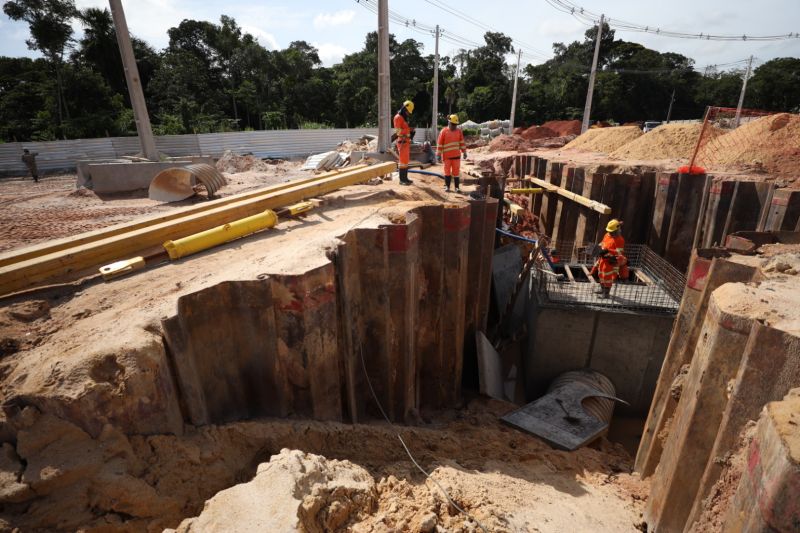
column 179, row 183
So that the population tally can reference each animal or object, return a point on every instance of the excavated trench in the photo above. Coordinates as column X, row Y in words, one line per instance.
column 119, row 421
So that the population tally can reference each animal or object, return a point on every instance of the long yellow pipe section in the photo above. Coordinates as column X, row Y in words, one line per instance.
column 38, row 250
column 220, row 235
column 75, row 260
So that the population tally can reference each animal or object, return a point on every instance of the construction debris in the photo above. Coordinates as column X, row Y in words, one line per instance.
column 326, row 161
column 233, row 163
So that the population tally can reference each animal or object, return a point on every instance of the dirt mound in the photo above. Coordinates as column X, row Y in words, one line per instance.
column 564, row 127
column 604, row 140
column 670, row 141
column 538, row 132
column 233, row 163
column 769, row 144
column 517, row 143
column 519, row 130
column 294, row 491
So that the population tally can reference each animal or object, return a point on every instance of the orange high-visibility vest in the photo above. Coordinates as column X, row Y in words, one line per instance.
column 451, row 143
column 402, row 129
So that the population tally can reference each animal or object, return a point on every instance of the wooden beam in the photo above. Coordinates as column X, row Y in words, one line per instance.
column 38, row 250
column 73, row 260
column 569, row 273
column 588, row 275
column 594, row 205
column 644, row 277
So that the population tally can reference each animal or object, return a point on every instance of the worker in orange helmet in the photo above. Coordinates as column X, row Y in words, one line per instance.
column 612, row 264
column 403, row 140
column 450, row 147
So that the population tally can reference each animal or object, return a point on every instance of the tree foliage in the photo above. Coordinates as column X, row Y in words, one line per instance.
column 214, row 76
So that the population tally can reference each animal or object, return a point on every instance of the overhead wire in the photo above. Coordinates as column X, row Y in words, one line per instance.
column 590, row 18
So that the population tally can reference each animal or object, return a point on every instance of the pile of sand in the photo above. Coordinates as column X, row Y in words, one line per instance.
column 538, row 132
column 604, row 140
column 670, row 141
column 233, row 163
column 769, row 144
column 564, row 127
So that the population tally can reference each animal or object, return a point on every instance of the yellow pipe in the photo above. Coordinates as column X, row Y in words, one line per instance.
column 535, row 190
column 220, row 235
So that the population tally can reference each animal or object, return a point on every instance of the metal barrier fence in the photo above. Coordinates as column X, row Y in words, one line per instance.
column 654, row 285
column 62, row 155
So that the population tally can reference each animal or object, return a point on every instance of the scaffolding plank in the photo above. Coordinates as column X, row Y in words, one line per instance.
column 647, row 280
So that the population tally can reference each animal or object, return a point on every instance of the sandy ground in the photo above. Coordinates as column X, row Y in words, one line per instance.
column 53, row 208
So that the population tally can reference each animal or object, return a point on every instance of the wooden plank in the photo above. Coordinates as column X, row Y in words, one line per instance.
column 588, row 275
column 78, row 259
column 569, row 273
column 644, row 277
column 38, row 250
column 587, row 202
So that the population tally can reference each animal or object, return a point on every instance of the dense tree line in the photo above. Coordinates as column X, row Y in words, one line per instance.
column 216, row 77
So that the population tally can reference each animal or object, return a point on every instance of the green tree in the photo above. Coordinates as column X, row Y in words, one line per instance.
column 51, row 34
column 774, row 85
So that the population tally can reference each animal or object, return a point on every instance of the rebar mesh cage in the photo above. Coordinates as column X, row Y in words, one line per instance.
column 654, row 285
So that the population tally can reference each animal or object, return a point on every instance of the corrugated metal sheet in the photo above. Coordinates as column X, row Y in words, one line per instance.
column 62, row 155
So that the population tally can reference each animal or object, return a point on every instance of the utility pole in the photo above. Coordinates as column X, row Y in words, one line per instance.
column 514, row 95
column 435, row 118
column 587, row 111
column 741, row 96
column 671, row 101
column 140, row 116
column 384, row 96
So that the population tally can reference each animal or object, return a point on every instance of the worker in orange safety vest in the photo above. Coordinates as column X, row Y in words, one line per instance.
column 402, row 132
column 612, row 264
column 449, row 148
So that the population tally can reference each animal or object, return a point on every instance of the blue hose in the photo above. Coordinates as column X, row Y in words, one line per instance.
column 515, row 236
column 426, row 172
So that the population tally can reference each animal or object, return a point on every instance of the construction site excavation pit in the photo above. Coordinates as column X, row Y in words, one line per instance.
column 236, row 389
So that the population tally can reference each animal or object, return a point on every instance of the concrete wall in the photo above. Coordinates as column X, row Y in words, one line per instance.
column 629, row 348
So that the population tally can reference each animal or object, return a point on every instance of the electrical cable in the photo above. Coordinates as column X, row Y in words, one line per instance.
column 590, row 18
column 425, row 172
column 405, row 447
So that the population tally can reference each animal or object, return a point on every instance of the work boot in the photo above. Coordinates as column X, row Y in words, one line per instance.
column 605, row 293
column 447, row 183
column 404, row 177
column 458, row 184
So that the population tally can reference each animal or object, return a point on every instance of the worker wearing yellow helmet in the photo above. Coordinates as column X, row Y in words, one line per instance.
column 402, row 132
column 612, row 264
column 449, row 148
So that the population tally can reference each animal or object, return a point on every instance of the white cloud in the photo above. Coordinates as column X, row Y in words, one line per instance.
column 562, row 29
column 339, row 18
column 330, row 53
column 267, row 40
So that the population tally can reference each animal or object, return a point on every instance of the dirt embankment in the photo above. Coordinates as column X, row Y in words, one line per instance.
column 669, row 141
column 604, row 140
column 769, row 144
column 63, row 479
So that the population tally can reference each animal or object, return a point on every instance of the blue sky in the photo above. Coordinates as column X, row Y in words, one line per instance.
column 337, row 27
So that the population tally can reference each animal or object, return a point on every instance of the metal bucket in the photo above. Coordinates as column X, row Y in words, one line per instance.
column 600, row 408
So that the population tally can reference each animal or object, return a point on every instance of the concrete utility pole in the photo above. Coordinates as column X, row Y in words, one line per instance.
column 587, row 111
column 435, row 118
column 384, row 89
column 741, row 96
column 514, row 95
column 142, row 119
column 671, row 101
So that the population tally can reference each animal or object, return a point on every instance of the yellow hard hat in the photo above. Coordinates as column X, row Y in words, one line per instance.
column 613, row 225
column 453, row 119
column 409, row 105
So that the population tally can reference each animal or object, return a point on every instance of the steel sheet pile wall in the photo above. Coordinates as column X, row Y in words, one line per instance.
column 724, row 363
column 394, row 303
column 62, row 155
column 669, row 212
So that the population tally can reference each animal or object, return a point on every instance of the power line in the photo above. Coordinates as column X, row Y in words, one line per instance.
column 533, row 51
column 588, row 17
